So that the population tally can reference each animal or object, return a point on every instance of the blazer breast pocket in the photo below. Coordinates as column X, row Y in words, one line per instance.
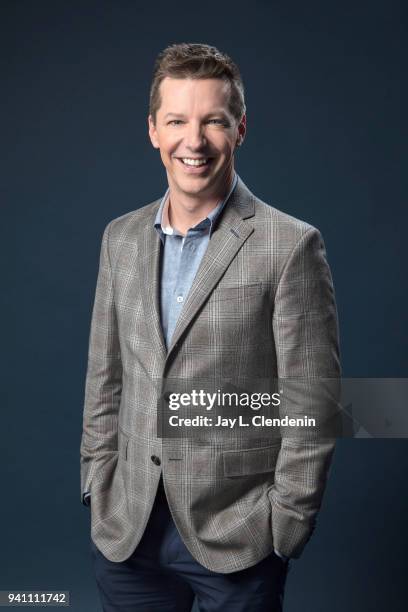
column 237, row 292
column 250, row 460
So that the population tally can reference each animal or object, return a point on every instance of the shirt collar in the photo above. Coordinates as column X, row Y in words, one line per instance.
column 162, row 224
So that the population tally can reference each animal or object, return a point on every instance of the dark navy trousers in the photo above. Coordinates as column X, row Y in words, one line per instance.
column 162, row 576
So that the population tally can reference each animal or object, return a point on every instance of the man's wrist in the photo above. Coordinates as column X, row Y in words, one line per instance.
column 86, row 498
column 283, row 557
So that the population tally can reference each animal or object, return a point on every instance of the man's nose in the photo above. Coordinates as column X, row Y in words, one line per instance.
column 195, row 137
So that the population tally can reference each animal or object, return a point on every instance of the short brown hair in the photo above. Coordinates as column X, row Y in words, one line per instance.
column 197, row 61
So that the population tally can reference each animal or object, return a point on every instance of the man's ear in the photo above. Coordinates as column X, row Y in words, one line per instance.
column 153, row 132
column 241, row 131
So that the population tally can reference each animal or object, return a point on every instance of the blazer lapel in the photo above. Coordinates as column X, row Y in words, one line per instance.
column 150, row 280
column 230, row 234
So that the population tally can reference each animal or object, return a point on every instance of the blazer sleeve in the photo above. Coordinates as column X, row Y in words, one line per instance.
column 306, row 336
column 103, row 385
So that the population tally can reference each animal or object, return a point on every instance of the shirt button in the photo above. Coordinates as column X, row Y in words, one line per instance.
column 155, row 459
column 180, row 298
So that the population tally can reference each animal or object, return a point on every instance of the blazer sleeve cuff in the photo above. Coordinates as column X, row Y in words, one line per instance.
column 290, row 533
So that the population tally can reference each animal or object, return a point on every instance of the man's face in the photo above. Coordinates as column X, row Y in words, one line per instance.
column 196, row 134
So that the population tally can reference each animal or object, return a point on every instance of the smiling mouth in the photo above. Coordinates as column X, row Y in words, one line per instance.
column 195, row 162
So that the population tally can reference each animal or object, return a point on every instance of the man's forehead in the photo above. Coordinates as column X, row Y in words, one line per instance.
column 178, row 81
column 215, row 87
column 210, row 95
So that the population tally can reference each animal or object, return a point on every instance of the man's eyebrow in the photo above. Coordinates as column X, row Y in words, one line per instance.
column 173, row 115
column 215, row 113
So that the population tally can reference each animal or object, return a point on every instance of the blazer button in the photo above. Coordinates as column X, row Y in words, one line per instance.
column 155, row 460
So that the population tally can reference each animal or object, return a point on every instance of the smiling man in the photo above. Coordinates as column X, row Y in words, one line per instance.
column 205, row 281
column 195, row 129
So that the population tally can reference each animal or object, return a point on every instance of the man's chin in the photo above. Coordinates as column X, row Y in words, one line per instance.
column 197, row 186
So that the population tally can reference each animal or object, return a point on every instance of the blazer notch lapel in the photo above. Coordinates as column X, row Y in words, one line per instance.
column 150, row 282
column 223, row 247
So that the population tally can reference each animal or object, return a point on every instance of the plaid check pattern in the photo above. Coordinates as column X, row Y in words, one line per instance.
column 261, row 305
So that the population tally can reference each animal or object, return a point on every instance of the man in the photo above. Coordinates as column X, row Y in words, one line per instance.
column 206, row 281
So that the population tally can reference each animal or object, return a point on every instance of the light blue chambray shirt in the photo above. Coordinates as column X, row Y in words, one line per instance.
column 181, row 258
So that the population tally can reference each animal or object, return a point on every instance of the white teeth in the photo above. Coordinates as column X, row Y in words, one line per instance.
column 194, row 162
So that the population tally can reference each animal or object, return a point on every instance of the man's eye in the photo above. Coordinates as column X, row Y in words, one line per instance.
column 175, row 122
column 217, row 121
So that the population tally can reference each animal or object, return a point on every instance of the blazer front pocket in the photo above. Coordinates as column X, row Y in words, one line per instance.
column 250, row 460
column 234, row 292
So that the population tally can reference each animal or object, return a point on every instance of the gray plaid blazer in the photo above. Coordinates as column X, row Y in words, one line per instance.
column 262, row 304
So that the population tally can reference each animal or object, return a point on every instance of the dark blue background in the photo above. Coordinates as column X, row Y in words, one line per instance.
column 327, row 133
